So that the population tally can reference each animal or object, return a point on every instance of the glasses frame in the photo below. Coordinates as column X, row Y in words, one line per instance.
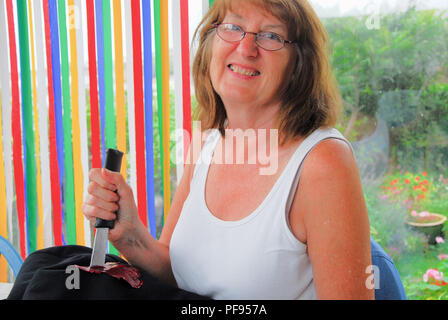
column 244, row 33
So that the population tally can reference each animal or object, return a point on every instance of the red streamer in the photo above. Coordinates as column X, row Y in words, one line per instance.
column 94, row 104
column 16, row 130
column 139, row 112
column 54, row 165
column 186, row 94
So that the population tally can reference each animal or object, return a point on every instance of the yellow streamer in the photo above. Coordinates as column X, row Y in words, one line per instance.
column 3, row 213
column 119, row 85
column 77, row 165
column 40, row 208
column 166, row 106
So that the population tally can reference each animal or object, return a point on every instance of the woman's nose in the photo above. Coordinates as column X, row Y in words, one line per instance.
column 247, row 47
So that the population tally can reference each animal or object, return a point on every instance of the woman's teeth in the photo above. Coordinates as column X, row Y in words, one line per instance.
column 243, row 71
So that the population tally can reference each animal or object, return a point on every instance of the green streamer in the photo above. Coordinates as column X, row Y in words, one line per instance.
column 27, row 107
column 211, row 2
column 158, row 45
column 70, row 210
column 111, row 131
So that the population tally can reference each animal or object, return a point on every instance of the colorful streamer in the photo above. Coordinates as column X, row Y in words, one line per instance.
column 130, row 96
column 3, row 196
column 149, row 133
column 93, row 80
column 84, row 141
column 109, row 116
column 16, row 131
column 7, row 130
column 182, row 82
column 159, row 80
column 57, row 89
column 3, row 212
column 27, row 119
column 110, row 120
column 119, row 85
column 139, row 112
column 101, row 77
column 76, row 131
column 45, row 221
column 178, row 103
column 70, row 210
column 186, row 88
column 40, row 216
column 56, row 197
column 3, row 156
column 59, row 123
column 163, row 107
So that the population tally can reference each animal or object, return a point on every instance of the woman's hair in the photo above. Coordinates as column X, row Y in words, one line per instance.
column 309, row 95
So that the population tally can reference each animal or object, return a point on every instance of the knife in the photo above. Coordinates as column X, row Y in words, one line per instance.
column 112, row 163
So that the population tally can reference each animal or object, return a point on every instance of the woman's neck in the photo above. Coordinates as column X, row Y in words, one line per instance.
column 246, row 117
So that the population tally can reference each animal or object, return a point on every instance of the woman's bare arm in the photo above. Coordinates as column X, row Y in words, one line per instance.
column 335, row 219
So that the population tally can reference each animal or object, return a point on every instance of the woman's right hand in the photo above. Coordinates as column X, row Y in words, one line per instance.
column 111, row 198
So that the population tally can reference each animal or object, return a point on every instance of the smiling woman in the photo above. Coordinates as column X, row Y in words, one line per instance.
column 303, row 78
column 300, row 232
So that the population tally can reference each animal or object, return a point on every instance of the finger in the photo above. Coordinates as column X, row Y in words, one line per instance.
column 98, row 202
column 96, row 176
column 93, row 212
column 100, row 192
column 117, row 179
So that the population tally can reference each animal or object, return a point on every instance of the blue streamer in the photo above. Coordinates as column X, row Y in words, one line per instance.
column 149, row 137
column 56, row 63
column 101, row 80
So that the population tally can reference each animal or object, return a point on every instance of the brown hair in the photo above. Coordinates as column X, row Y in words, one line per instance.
column 309, row 95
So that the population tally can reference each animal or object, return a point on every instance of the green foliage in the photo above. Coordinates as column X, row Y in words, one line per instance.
column 398, row 72
column 414, row 267
column 388, row 227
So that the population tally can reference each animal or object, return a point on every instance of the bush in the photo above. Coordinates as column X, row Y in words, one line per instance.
column 388, row 227
column 398, row 72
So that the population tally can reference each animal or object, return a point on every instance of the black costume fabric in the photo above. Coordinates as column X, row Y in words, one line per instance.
column 43, row 277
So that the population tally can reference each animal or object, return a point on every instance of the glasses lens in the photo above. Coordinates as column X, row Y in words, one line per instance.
column 269, row 41
column 230, row 32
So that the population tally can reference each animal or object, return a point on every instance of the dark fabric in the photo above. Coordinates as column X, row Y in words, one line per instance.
column 390, row 285
column 43, row 276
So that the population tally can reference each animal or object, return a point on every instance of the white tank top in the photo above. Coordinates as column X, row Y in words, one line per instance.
column 257, row 257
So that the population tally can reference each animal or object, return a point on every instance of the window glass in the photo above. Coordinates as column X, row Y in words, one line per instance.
column 391, row 63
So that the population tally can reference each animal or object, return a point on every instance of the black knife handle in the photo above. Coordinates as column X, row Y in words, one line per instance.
column 112, row 163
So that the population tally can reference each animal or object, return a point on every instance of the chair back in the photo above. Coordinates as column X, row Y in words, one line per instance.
column 11, row 255
column 388, row 285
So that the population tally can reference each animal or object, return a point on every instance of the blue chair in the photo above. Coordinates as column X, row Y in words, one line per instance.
column 11, row 255
column 390, row 286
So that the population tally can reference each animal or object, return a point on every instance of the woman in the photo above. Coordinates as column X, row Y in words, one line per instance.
column 233, row 233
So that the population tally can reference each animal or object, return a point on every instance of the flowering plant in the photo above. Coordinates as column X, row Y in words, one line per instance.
column 411, row 189
column 435, row 277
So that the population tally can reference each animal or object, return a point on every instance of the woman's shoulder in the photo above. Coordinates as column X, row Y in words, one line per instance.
column 329, row 158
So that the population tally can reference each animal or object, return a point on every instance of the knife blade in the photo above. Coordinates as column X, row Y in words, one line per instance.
column 112, row 163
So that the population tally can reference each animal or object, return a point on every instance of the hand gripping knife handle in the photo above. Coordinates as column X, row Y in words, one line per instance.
column 112, row 163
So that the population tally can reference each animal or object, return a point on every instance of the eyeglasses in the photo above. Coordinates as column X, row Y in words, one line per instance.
column 269, row 41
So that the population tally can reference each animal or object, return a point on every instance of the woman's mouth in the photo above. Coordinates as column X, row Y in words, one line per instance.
column 242, row 71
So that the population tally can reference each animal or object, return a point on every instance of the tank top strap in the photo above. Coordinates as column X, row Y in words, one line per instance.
column 206, row 154
column 296, row 162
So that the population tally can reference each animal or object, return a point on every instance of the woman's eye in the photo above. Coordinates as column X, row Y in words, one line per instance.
column 232, row 27
column 270, row 36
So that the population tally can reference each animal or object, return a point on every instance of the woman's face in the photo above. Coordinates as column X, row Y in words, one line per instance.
column 241, row 72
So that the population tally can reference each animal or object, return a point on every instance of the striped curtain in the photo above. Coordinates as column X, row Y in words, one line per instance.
column 78, row 77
